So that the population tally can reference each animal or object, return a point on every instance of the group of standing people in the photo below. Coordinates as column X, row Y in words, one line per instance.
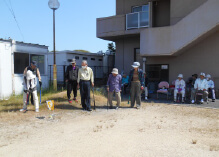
column 135, row 80
column 82, row 79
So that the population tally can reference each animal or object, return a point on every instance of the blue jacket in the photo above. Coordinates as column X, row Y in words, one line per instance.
column 140, row 76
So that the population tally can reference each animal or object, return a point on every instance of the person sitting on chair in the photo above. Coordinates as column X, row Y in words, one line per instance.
column 211, row 87
column 200, row 86
column 179, row 87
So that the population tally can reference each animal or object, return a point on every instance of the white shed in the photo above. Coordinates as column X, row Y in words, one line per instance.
column 14, row 57
column 63, row 58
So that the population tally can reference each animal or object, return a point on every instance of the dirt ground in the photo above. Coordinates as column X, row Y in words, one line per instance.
column 156, row 130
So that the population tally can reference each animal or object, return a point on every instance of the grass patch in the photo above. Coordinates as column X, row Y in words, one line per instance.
column 15, row 103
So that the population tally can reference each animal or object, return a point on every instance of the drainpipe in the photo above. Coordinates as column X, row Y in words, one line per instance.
column 150, row 13
column 12, row 65
column 144, row 64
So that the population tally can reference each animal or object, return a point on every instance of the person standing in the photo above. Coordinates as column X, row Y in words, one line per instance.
column 179, row 87
column 114, row 85
column 85, row 80
column 36, row 72
column 30, row 86
column 200, row 86
column 136, row 80
column 71, row 77
column 211, row 87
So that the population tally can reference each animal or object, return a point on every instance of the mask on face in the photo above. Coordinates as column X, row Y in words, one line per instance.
column 84, row 67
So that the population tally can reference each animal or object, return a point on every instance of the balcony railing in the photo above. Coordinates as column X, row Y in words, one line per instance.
column 137, row 20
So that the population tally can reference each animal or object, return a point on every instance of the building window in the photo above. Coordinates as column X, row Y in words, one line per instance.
column 138, row 18
column 99, row 59
column 93, row 59
column 84, row 58
column 40, row 62
column 21, row 61
column 140, row 8
column 77, row 57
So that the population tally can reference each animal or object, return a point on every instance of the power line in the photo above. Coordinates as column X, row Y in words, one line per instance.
column 10, row 8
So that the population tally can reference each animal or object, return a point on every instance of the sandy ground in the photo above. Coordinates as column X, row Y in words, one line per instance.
column 156, row 130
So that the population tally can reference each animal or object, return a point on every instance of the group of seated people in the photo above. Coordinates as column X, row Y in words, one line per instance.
column 202, row 85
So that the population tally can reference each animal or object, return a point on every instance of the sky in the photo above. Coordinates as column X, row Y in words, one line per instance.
column 75, row 23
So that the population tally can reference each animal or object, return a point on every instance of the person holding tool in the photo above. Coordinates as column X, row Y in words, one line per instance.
column 114, row 84
column 85, row 80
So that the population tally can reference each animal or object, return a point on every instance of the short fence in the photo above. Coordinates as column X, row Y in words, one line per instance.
column 101, row 74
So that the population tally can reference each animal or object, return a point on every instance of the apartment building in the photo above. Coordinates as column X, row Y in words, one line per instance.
column 167, row 37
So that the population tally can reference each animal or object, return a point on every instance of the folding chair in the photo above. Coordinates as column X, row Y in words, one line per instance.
column 200, row 94
column 163, row 88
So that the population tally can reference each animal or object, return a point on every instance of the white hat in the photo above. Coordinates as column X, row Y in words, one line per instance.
column 73, row 60
column 202, row 74
column 136, row 65
column 115, row 71
column 180, row 75
column 208, row 76
column 30, row 75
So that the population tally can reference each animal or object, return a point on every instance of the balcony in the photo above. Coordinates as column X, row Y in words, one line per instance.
column 137, row 20
column 114, row 27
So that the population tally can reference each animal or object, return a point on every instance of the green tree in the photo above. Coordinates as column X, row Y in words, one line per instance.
column 111, row 47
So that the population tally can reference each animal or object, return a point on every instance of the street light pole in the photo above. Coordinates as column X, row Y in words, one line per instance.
column 54, row 4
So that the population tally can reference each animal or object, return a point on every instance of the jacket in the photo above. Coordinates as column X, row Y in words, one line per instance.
column 180, row 84
column 140, row 76
column 201, row 84
column 210, row 84
column 71, row 74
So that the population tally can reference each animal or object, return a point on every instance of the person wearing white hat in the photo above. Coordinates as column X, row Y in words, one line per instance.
column 114, row 84
column 30, row 86
column 136, row 80
column 201, row 86
column 179, row 87
column 211, row 87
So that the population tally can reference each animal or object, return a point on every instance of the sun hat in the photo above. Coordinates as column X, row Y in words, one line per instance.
column 202, row 74
column 180, row 75
column 136, row 65
column 208, row 76
column 115, row 71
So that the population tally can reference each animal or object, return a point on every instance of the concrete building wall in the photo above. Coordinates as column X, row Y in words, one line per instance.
column 161, row 13
column 181, row 8
column 5, row 70
column 124, row 56
column 203, row 57
column 125, row 6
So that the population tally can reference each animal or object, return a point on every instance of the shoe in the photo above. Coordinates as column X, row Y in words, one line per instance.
column 69, row 101
column 23, row 110
column 117, row 108
column 192, row 101
column 138, row 107
column 90, row 110
column 146, row 98
column 202, row 101
column 213, row 100
column 37, row 110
